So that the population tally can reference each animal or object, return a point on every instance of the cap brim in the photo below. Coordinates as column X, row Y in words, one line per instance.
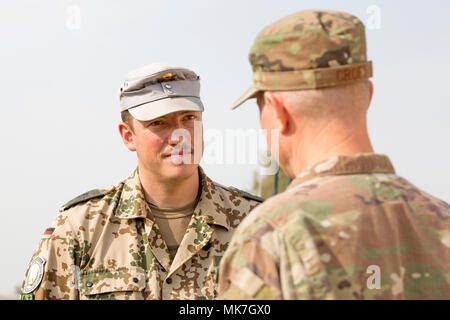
column 249, row 94
column 156, row 109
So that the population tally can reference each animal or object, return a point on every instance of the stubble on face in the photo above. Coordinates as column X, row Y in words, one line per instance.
column 166, row 147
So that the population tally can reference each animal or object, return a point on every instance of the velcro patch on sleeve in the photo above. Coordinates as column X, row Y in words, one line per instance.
column 247, row 281
column 34, row 275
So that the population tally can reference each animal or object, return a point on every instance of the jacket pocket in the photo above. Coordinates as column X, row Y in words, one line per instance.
column 122, row 283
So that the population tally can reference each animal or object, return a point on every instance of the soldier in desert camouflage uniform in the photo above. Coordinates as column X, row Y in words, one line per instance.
column 109, row 244
column 347, row 227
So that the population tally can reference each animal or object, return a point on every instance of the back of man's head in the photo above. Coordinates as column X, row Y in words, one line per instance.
column 348, row 101
column 311, row 68
column 311, row 49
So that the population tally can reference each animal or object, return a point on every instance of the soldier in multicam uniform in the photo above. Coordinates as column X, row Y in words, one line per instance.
column 347, row 227
column 160, row 233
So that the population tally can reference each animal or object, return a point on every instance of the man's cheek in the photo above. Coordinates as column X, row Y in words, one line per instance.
column 266, row 130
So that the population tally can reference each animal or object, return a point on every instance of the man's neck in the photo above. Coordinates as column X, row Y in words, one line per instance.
column 326, row 145
column 168, row 193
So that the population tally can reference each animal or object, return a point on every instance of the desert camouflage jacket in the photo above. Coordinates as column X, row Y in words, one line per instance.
column 347, row 228
column 105, row 245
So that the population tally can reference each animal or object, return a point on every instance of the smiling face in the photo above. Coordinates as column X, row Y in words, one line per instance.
column 169, row 147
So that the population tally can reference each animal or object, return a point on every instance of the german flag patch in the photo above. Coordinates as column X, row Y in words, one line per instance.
column 48, row 233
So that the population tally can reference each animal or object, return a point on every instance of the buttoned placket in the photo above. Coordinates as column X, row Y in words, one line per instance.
column 163, row 258
column 184, row 255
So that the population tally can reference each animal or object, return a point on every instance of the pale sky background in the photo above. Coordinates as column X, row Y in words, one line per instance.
column 59, row 90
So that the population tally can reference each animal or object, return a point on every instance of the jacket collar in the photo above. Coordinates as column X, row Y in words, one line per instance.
column 132, row 203
column 211, row 203
column 363, row 163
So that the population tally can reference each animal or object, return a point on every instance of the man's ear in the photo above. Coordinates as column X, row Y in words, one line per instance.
column 127, row 136
column 370, row 90
column 279, row 112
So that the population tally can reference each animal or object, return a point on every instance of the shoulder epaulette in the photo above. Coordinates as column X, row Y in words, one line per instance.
column 95, row 193
column 246, row 195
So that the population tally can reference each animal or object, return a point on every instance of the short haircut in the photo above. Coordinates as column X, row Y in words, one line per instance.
column 127, row 118
column 328, row 102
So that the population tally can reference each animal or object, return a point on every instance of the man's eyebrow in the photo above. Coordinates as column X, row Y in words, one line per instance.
column 145, row 121
column 189, row 111
column 162, row 117
column 193, row 112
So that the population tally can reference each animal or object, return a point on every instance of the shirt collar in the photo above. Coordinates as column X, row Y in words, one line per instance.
column 211, row 203
column 362, row 163
column 132, row 203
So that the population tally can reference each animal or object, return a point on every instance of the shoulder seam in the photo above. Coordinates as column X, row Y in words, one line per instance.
column 245, row 194
column 94, row 193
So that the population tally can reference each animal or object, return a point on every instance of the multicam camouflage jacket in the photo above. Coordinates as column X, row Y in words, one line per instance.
column 347, row 228
column 105, row 245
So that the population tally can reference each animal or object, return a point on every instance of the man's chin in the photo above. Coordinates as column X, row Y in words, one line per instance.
column 180, row 160
column 180, row 169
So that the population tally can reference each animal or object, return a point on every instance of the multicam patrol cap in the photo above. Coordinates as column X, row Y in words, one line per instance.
column 159, row 89
column 308, row 50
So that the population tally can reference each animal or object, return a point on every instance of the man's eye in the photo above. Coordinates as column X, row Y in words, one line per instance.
column 155, row 123
column 190, row 117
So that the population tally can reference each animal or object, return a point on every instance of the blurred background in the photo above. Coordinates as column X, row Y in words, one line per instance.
column 62, row 63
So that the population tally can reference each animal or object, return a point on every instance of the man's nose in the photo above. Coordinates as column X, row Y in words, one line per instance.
column 178, row 135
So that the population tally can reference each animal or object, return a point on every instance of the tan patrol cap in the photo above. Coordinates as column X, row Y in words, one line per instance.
column 158, row 89
column 309, row 49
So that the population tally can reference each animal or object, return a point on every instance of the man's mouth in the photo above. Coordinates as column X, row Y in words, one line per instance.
column 180, row 153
